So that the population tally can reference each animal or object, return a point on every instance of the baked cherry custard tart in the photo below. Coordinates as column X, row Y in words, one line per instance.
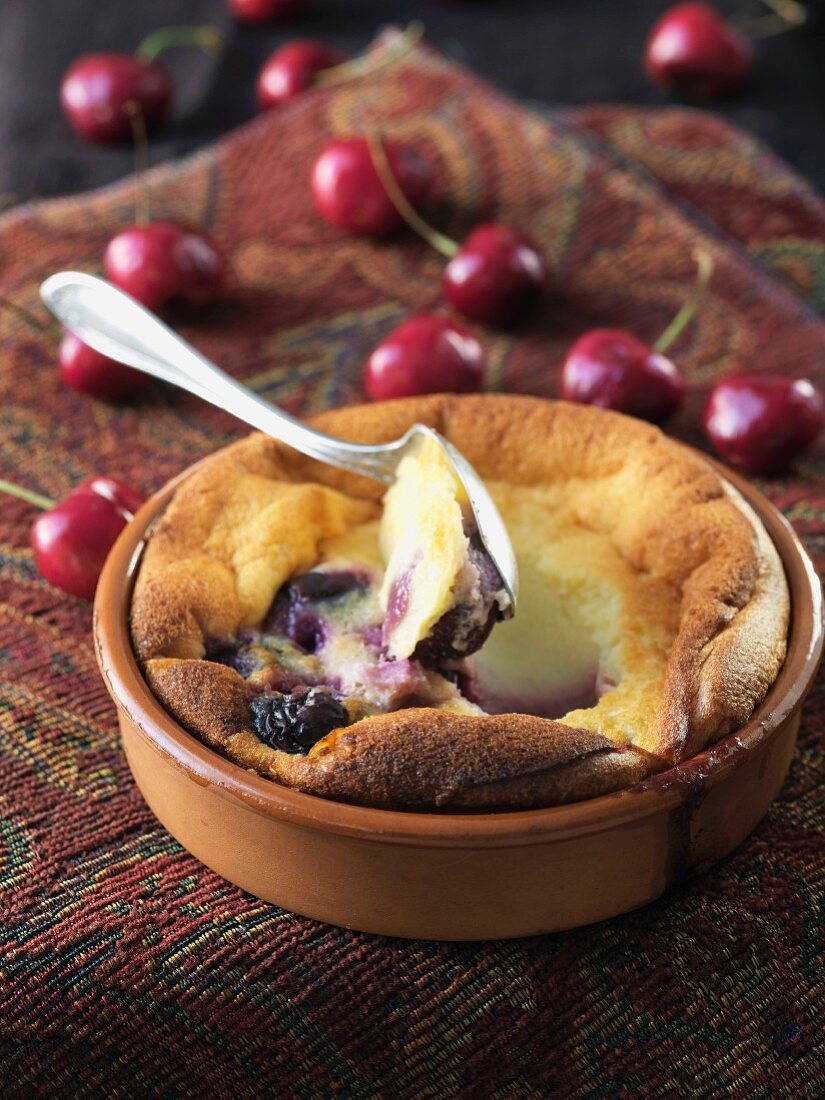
column 344, row 639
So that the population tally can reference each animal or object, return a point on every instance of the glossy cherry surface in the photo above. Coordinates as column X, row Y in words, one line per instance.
column 497, row 276
column 267, row 11
column 291, row 69
column 72, row 540
column 762, row 422
column 163, row 262
column 350, row 195
column 428, row 353
column 97, row 88
column 87, row 371
column 613, row 369
column 693, row 51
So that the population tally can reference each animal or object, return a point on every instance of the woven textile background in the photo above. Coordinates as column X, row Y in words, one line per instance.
column 126, row 968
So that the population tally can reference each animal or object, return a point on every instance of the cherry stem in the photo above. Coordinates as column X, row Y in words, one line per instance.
column 786, row 15
column 789, row 11
column 704, row 264
column 26, row 315
column 25, row 494
column 376, row 58
column 133, row 112
column 207, row 39
column 439, row 241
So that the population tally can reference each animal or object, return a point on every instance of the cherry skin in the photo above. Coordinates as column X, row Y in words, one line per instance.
column 348, row 191
column 496, row 276
column 267, row 11
column 693, row 51
column 163, row 262
column 292, row 69
column 121, row 496
column 96, row 89
column 428, row 353
column 87, row 371
column 613, row 369
column 72, row 540
column 762, row 422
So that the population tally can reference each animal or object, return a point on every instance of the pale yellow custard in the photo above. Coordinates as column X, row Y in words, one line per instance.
column 591, row 636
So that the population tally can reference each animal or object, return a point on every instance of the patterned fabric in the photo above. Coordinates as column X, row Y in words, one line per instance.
column 127, row 968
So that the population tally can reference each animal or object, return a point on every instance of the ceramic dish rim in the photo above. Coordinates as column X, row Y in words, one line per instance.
column 662, row 792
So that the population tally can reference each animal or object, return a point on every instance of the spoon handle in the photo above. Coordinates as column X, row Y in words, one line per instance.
column 114, row 324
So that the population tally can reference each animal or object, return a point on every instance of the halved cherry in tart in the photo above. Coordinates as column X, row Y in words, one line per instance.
column 296, row 612
column 465, row 627
column 294, row 722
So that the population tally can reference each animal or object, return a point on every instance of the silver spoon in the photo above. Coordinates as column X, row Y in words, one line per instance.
column 114, row 324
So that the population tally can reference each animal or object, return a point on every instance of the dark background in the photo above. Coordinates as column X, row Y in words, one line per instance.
column 549, row 51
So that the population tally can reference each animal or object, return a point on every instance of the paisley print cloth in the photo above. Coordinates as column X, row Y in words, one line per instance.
column 126, row 967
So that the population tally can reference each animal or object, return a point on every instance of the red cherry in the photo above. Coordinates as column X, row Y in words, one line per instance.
column 349, row 193
column 162, row 262
column 496, row 276
column 292, row 69
column 95, row 90
column 693, row 51
column 426, row 354
column 267, row 11
column 72, row 540
column 762, row 422
column 613, row 370
column 87, row 371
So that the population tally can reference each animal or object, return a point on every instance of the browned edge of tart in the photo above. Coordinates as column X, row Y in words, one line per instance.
column 674, row 517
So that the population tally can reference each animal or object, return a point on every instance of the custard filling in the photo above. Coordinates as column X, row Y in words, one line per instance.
column 588, row 646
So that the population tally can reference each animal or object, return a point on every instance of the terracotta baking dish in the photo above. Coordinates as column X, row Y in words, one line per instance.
column 457, row 876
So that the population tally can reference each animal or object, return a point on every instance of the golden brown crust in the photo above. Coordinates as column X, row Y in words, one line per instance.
column 729, row 664
column 431, row 758
column 413, row 758
column 207, row 698
column 214, row 557
column 685, row 526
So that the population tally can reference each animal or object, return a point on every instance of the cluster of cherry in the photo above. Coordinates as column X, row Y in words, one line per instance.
column 371, row 187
